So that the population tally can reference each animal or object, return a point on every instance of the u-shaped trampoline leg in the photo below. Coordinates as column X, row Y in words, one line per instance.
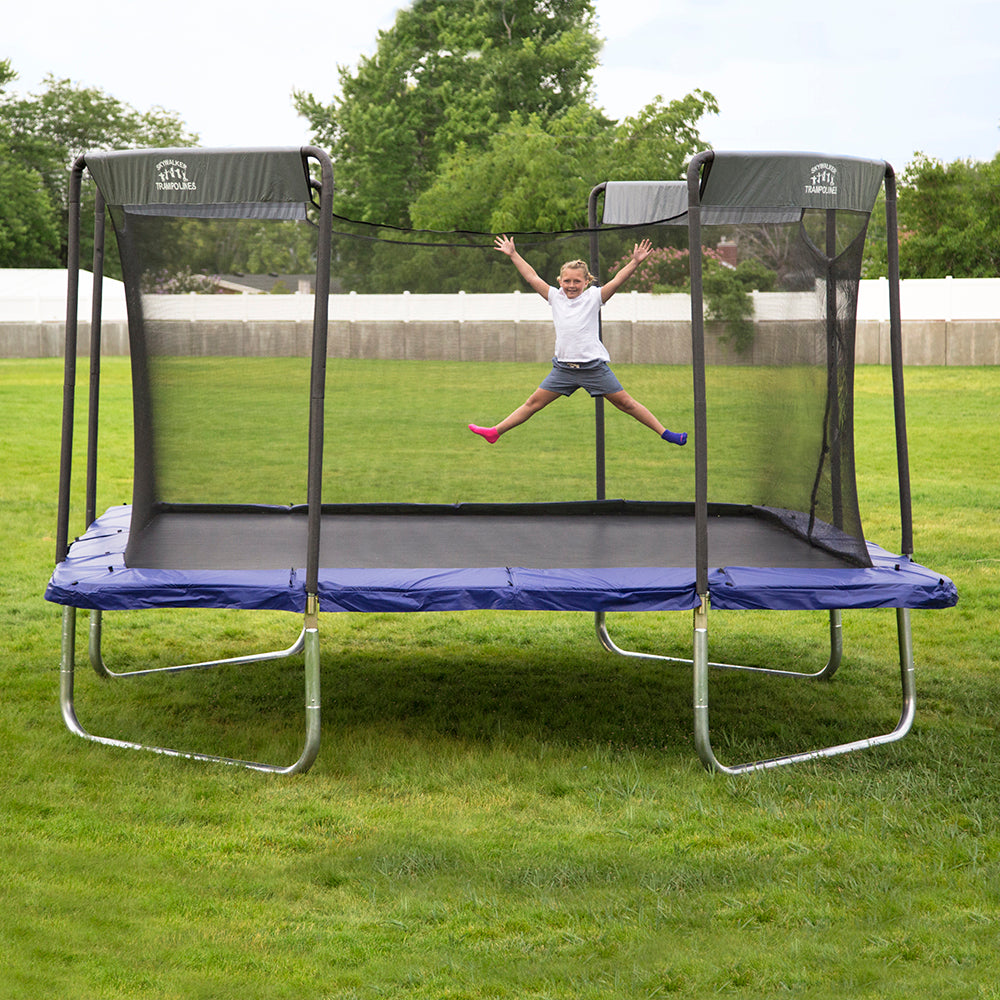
column 96, row 634
column 703, row 742
column 308, row 642
column 67, row 666
column 836, row 652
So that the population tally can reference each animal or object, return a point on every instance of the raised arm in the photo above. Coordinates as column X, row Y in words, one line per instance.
column 639, row 253
column 506, row 245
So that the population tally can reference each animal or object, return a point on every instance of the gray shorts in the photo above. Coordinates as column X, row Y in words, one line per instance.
column 568, row 376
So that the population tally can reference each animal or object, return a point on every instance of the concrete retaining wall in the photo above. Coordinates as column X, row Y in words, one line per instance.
column 925, row 342
column 946, row 322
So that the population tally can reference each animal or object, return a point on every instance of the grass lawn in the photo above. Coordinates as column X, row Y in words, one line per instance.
column 500, row 809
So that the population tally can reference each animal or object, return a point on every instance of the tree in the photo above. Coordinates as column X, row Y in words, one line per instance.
column 28, row 228
column 949, row 221
column 448, row 75
column 533, row 174
column 29, row 233
column 53, row 128
column 6, row 73
column 537, row 175
column 48, row 131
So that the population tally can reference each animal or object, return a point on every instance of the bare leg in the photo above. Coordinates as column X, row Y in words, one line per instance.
column 634, row 408
column 539, row 399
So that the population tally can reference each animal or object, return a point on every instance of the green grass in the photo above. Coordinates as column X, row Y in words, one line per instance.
column 500, row 809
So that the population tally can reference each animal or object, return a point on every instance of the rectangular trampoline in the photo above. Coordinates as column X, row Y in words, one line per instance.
column 171, row 548
column 595, row 556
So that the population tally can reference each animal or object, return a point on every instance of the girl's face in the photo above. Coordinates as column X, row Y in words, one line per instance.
column 572, row 281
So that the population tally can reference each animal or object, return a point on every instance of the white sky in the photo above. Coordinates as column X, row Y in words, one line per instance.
column 870, row 78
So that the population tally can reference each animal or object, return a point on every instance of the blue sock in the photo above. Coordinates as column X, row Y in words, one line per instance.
column 675, row 437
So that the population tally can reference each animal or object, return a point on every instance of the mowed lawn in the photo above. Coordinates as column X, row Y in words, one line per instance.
column 500, row 809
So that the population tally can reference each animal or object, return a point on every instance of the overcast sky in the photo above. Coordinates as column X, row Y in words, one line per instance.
column 871, row 78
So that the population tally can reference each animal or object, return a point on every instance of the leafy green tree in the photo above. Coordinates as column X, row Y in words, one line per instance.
column 532, row 175
column 48, row 131
column 536, row 175
column 448, row 75
column 28, row 227
column 51, row 129
column 949, row 221
column 29, row 233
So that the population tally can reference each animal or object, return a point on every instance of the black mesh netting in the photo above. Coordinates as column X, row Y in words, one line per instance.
column 222, row 397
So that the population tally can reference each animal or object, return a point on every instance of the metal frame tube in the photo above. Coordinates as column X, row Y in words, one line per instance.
column 595, row 266
column 95, row 637
column 825, row 673
column 308, row 641
column 703, row 741
column 896, row 349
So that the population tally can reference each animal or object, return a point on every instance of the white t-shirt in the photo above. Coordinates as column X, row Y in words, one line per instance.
column 576, row 323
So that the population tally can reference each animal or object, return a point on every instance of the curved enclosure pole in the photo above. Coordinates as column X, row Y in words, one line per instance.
column 896, row 349
column 703, row 741
column 309, row 642
column 832, row 664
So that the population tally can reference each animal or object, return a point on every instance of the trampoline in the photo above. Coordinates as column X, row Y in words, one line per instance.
column 792, row 542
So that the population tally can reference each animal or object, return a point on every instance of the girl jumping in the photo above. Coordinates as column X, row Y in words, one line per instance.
column 581, row 359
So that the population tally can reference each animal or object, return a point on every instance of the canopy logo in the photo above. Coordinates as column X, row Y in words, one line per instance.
column 172, row 175
column 822, row 179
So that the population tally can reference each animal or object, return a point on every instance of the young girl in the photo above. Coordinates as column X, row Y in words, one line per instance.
column 581, row 360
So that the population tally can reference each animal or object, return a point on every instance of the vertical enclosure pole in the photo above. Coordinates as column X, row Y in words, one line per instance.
column 834, row 369
column 93, row 410
column 317, row 393
column 69, row 363
column 595, row 266
column 698, row 371
column 896, row 349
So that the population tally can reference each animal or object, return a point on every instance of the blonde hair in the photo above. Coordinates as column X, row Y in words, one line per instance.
column 578, row 265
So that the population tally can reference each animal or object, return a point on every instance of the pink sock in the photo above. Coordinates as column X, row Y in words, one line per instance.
column 490, row 433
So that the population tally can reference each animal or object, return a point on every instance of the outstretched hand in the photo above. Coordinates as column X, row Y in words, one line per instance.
column 641, row 251
column 505, row 245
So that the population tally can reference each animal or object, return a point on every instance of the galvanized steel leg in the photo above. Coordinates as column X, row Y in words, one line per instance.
column 307, row 641
column 702, row 737
column 97, row 657
column 836, row 652
column 701, row 665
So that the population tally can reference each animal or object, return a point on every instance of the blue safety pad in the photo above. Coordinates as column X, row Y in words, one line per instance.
column 94, row 576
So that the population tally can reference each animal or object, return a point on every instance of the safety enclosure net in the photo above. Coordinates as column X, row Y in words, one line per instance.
column 778, row 429
column 222, row 408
